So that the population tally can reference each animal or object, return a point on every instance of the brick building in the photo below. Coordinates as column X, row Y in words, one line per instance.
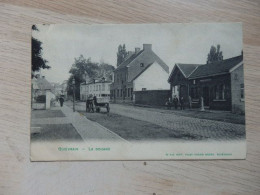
column 133, row 69
column 221, row 84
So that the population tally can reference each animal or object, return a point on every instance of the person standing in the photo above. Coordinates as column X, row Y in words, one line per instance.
column 169, row 103
column 182, row 103
column 61, row 101
column 175, row 102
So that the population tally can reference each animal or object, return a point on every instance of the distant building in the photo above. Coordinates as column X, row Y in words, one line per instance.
column 221, row 84
column 60, row 89
column 142, row 70
column 98, row 88
column 41, row 88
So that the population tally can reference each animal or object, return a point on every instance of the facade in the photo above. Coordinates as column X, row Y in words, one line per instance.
column 144, row 80
column 221, row 84
column 41, row 87
column 138, row 67
column 98, row 88
column 60, row 89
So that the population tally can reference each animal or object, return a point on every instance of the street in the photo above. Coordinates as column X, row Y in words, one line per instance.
column 144, row 123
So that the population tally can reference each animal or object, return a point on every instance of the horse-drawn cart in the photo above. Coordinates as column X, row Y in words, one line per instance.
column 96, row 103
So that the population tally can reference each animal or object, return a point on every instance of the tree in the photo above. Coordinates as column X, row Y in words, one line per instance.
column 83, row 68
column 37, row 61
column 80, row 68
column 121, row 54
column 214, row 54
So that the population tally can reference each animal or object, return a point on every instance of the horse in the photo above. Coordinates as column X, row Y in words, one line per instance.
column 89, row 105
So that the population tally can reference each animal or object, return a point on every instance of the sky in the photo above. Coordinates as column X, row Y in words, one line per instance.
column 173, row 43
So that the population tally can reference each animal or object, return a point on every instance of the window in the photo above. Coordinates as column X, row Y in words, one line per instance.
column 103, row 87
column 194, row 93
column 121, row 93
column 141, row 64
column 242, row 95
column 99, row 87
column 143, row 89
column 222, row 92
column 117, row 78
column 219, row 92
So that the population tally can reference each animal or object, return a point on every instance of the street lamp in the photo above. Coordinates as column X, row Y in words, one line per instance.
column 73, row 84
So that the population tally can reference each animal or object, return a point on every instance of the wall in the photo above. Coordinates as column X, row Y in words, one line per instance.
column 146, row 57
column 211, row 82
column 153, row 97
column 49, row 96
column 149, row 81
column 237, row 78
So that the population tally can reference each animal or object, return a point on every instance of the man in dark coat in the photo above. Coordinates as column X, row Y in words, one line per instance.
column 61, row 101
column 175, row 102
column 169, row 103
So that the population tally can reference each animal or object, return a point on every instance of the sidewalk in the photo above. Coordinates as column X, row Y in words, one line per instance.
column 87, row 129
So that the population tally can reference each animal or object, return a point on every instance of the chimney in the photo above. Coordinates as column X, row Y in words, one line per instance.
column 147, row 46
column 137, row 49
column 129, row 53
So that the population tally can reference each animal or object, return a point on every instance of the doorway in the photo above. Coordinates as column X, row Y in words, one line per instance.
column 206, row 95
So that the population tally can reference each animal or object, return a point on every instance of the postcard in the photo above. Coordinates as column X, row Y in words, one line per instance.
column 137, row 92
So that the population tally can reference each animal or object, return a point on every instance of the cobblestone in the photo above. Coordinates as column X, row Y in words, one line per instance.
column 207, row 129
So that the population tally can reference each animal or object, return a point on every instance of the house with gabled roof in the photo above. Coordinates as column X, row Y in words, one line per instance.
column 42, row 87
column 220, row 84
column 137, row 72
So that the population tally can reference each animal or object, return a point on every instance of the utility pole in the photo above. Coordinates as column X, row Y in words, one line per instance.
column 73, row 83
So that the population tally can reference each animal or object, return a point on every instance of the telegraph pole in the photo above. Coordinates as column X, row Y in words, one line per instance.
column 73, row 83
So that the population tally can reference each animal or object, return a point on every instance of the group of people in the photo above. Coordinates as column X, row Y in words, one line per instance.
column 177, row 102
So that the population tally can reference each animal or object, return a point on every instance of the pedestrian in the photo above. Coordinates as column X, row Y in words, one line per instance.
column 61, row 101
column 175, row 102
column 168, row 103
column 182, row 103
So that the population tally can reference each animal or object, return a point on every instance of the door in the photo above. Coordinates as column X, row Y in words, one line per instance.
column 182, row 91
column 175, row 91
column 206, row 95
